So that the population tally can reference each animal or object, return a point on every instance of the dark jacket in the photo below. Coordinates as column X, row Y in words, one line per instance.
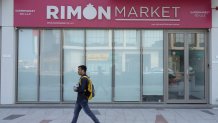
column 81, row 89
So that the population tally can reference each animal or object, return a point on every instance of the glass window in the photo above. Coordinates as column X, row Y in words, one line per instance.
column 73, row 38
column 192, row 40
column 179, row 39
column 201, row 39
column 131, row 38
column 137, row 56
column 27, row 64
column 73, row 57
column 99, row 63
column 119, row 38
column 152, row 65
column 127, row 66
column 196, row 67
column 50, row 65
column 176, row 66
column 97, row 38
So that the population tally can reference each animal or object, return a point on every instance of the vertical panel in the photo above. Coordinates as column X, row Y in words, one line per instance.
column 0, row 13
column 0, row 51
column 176, row 66
column 50, row 65
column 73, row 57
column 127, row 65
column 152, row 65
column 8, row 13
column 99, row 62
column 27, row 64
column 196, row 67
column 8, row 65
column 214, row 65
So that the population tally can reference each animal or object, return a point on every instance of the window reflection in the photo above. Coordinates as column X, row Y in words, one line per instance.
column 201, row 39
column 97, row 38
column 127, row 65
column 125, row 38
column 196, row 67
column 98, row 50
column 179, row 40
column 74, row 38
column 74, row 50
column 152, row 65
column 50, row 65
column 99, row 63
column 27, row 65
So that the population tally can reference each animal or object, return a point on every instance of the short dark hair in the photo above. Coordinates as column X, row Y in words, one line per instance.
column 83, row 67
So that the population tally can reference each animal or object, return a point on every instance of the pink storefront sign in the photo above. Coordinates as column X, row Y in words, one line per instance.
column 113, row 13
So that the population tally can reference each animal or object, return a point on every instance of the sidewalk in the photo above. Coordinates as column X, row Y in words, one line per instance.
column 107, row 115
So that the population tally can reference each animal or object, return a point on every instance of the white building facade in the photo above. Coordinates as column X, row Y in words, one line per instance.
column 141, row 53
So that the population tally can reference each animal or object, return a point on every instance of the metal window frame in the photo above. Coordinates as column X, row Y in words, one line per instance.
column 186, row 53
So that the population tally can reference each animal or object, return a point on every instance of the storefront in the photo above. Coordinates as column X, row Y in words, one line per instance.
column 140, row 52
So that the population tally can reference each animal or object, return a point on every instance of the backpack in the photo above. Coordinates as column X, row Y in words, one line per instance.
column 90, row 91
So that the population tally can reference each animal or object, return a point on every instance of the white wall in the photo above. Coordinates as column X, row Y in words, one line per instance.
column 214, row 55
column 0, row 39
column 0, row 12
column 7, row 54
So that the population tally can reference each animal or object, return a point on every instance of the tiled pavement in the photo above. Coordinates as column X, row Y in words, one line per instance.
column 109, row 115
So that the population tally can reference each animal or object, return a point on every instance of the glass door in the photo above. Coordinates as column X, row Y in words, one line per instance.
column 186, row 67
column 196, row 66
column 176, row 66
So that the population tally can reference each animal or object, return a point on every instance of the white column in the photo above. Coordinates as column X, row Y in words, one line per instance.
column 214, row 55
column 0, row 14
column 8, row 50
column 0, row 39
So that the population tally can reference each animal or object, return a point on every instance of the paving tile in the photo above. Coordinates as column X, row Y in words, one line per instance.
column 208, row 112
column 28, row 121
column 45, row 121
column 13, row 116
column 160, row 119
column 60, row 121
column 205, row 115
column 187, row 114
column 96, row 112
column 160, row 109
column 65, row 115
column 168, row 114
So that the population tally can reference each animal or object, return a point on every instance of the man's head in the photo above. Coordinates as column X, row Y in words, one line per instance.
column 82, row 69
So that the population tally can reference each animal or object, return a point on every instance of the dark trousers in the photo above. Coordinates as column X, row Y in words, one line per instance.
column 83, row 105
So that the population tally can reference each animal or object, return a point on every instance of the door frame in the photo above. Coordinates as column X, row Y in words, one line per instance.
column 186, row 52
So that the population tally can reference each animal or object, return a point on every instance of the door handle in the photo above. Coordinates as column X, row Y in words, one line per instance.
column 187, row 72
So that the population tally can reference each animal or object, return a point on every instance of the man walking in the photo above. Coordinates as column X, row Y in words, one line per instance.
column 82, row 99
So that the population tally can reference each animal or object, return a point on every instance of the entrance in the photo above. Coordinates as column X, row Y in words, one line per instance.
column 186, row 63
